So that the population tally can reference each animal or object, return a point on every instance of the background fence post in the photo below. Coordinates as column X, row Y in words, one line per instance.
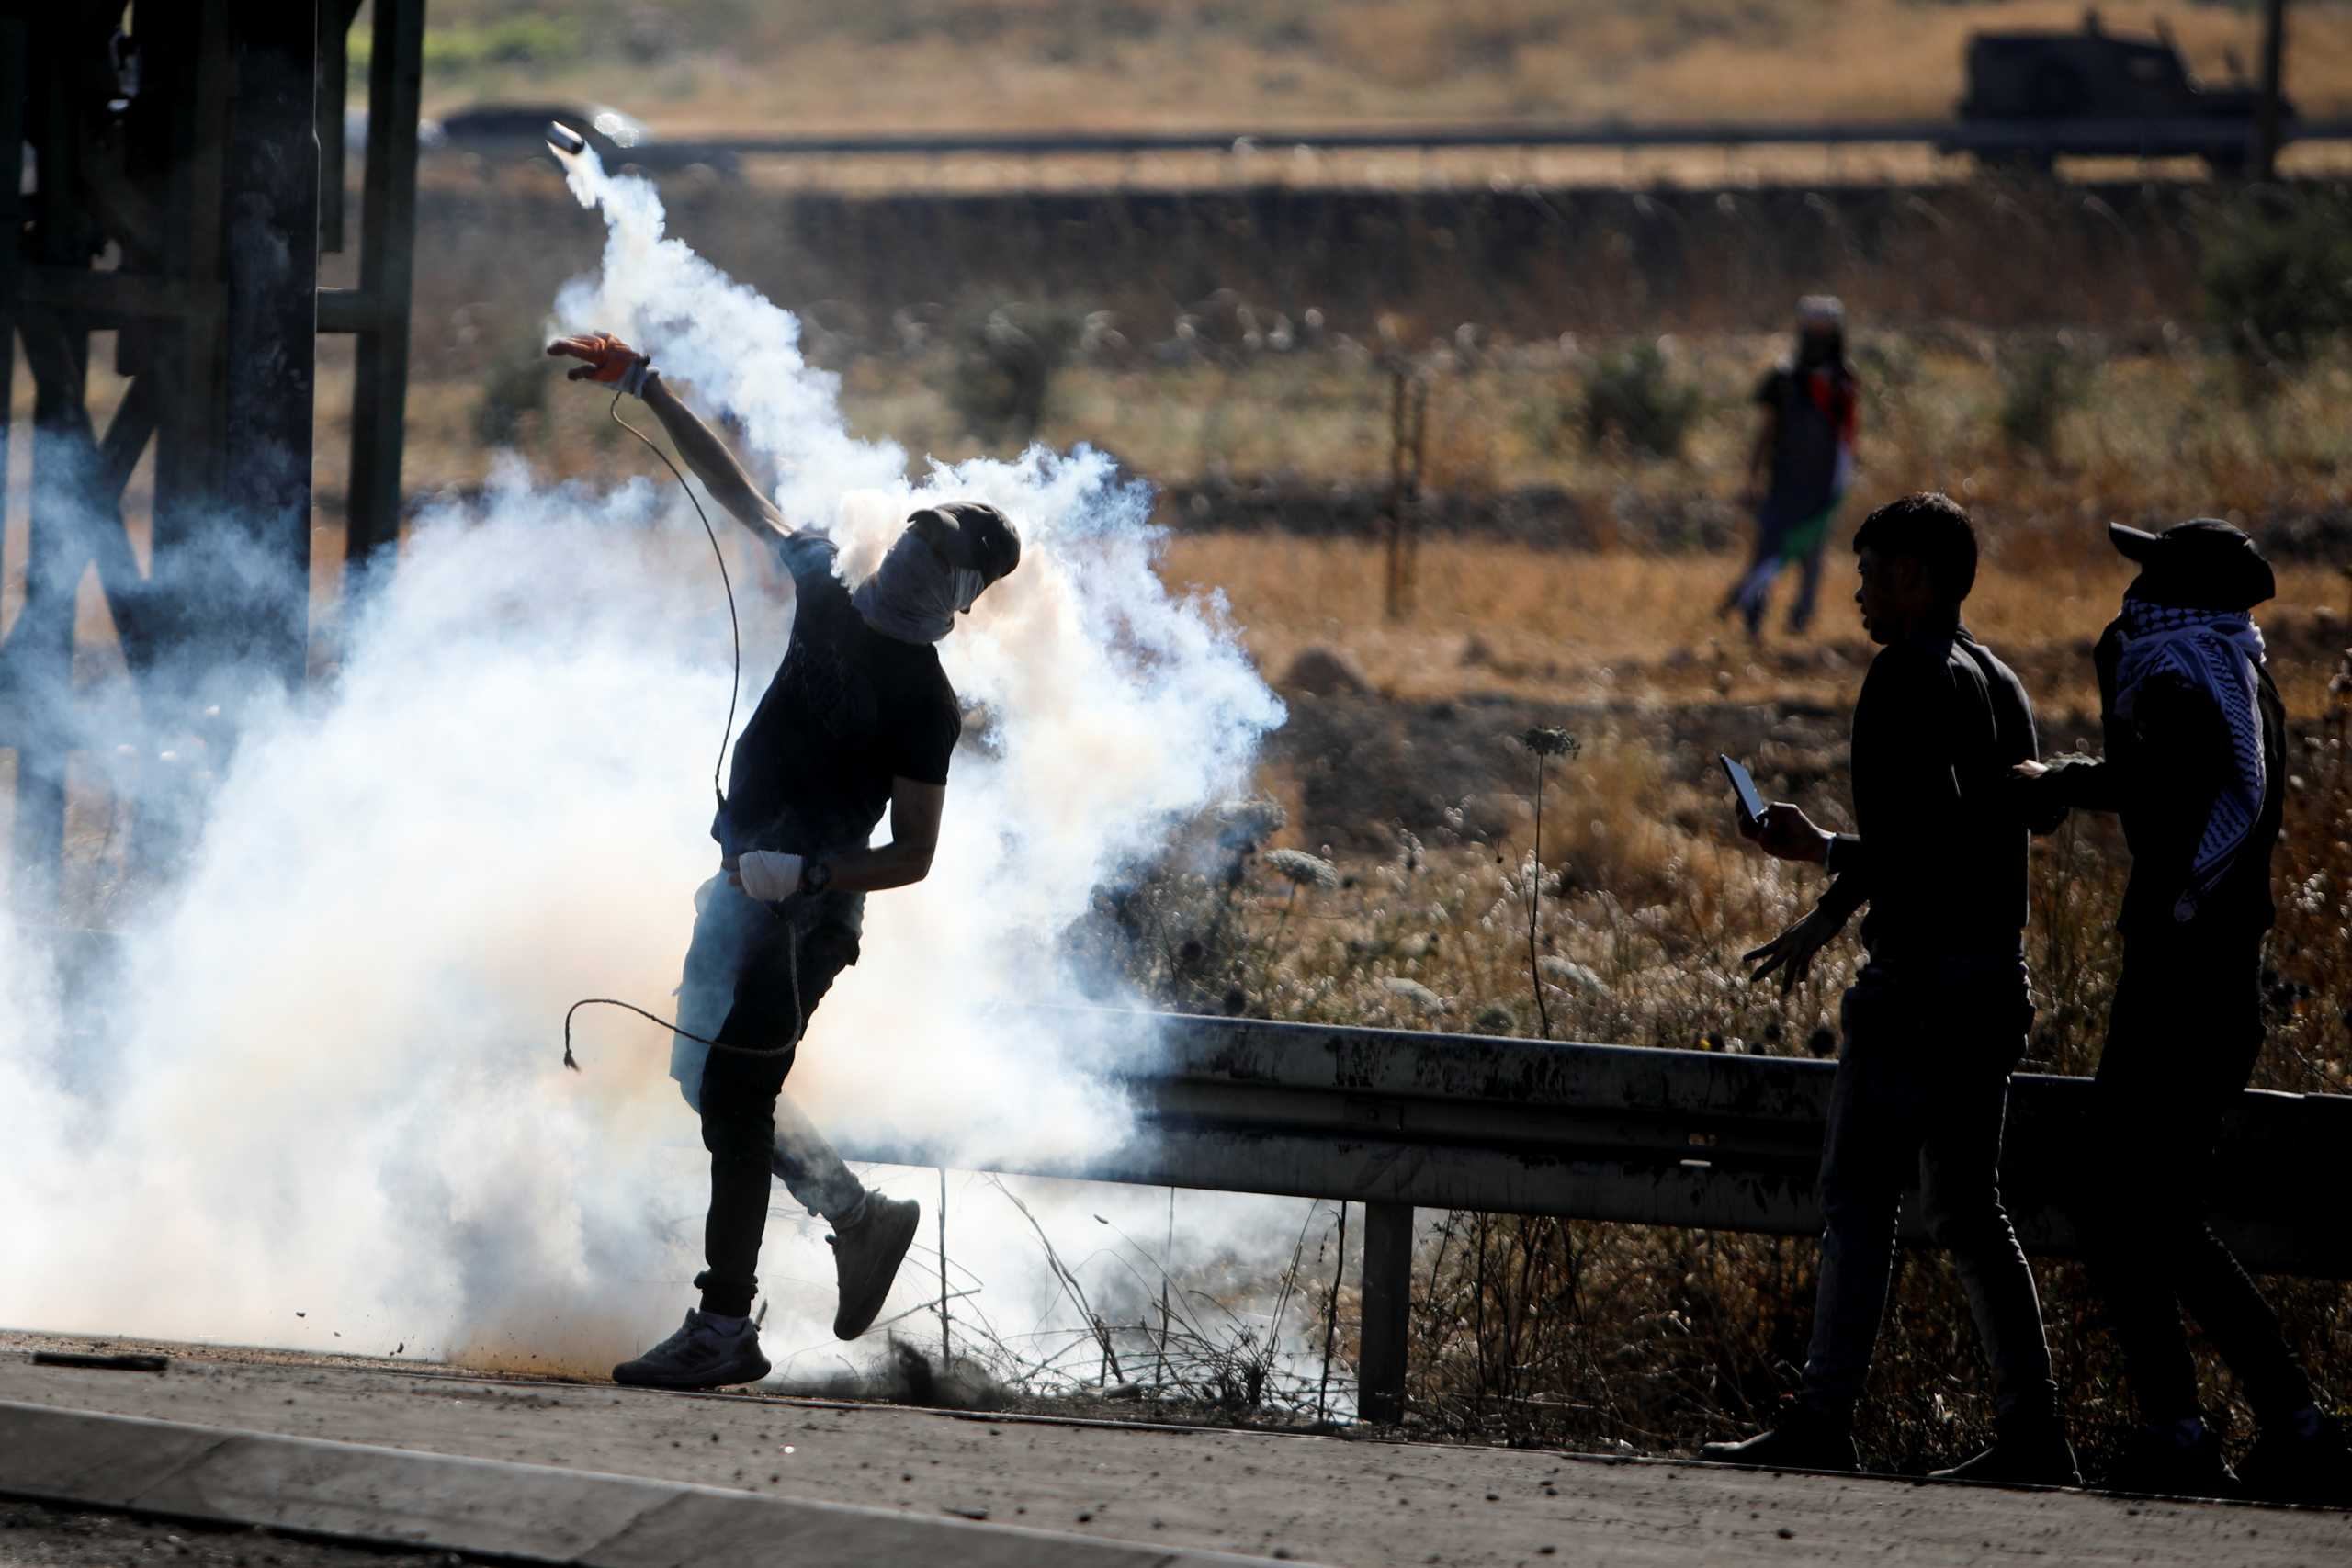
column 2274, row 70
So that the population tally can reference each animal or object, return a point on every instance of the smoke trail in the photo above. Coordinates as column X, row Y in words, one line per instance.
column 330, row 1084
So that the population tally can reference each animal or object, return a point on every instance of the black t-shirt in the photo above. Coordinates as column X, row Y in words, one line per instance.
column 1939, row 727
column 848, row 711
column 1813, row 410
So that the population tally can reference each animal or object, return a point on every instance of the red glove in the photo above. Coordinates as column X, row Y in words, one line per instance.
column 610, row 361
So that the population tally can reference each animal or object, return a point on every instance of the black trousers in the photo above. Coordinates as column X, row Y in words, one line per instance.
column 2181, row 1043
column 754, row 974
column 1922, row 1091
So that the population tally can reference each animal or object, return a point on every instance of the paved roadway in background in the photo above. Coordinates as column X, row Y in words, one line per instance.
column 1310, row 1499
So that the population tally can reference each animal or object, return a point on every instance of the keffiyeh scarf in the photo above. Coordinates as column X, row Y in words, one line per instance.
column 2216, row 652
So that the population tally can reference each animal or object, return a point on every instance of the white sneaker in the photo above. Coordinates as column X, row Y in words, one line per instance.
column 700, row 1354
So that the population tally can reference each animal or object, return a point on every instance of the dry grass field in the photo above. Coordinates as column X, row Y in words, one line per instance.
column 925, row 64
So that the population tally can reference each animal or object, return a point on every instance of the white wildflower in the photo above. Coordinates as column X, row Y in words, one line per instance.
column 1305, row 869
column 1413, row 991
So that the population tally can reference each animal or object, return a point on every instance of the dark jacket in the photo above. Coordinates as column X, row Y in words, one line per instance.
column 2162, row 770
column 1938, row 853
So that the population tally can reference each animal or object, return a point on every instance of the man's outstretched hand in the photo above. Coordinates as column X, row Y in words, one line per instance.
column 1785, row 832
column 608, row 358
column 2032, row 792
column 1792, row 952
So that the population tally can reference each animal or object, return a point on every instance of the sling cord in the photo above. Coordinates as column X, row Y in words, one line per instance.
column 734, row 626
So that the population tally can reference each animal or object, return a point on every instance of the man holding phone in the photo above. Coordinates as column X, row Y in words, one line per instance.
column 1937, row 1017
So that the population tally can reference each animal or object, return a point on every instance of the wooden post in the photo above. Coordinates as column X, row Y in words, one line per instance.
column 271, row 270
column 183, row 143
column 12, row 222
column 187, row 436
column 334, row 74
column 1408, row 410
column 387, row 258
column 2274, row 70
column 40, row 644
column 1387, row 1311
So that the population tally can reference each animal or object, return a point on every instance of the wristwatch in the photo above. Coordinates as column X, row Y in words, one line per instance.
column 815, row 876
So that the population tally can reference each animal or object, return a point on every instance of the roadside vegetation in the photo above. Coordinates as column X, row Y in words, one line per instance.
column 1047, row 62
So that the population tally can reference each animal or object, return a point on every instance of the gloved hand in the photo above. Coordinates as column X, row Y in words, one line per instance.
column 2034, row 791
column 767, row 875
column 610, row 361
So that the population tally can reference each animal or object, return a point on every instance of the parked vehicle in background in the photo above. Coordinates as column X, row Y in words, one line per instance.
column 2088, row 88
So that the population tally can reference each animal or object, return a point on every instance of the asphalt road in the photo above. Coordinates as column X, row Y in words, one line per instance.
column 1352, row 1501
column 32, row 1536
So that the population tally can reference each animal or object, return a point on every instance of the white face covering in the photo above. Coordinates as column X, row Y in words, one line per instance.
column 914, row 595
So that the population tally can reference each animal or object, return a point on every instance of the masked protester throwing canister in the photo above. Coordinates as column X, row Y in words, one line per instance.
column 858, row 719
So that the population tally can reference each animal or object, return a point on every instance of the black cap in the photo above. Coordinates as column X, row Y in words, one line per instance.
column 2203, row 564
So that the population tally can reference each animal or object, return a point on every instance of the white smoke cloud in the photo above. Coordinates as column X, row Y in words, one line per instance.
column 330, row 1084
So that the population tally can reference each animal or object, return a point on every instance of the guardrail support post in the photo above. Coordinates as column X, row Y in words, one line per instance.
column 1387, row 1310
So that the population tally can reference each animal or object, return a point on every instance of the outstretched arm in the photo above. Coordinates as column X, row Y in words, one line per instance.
column 611, row 362
column 717, row 466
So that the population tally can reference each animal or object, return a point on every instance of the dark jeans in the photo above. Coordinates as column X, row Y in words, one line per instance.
column 1751, row 595
column 755, row 974
column 2181, row 1043
column 1923, row 1084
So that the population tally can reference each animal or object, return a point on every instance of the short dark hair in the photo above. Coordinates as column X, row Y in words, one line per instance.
column 1932, row 529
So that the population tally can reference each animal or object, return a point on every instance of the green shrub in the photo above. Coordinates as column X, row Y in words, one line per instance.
column 1636, row 394
column 515, row 386
column 1005, row 361
column 2040, row 385
column 510, row 40
column 2281, row 283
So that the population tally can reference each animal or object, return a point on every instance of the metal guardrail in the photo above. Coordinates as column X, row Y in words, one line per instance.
column 1399, row 1121
column 2121, row 138
column 1396, row 1120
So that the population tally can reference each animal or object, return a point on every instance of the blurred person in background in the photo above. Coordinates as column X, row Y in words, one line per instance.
column 2193, row 739
column 1938, row 1016
column 858, row 718
column 1801, row 466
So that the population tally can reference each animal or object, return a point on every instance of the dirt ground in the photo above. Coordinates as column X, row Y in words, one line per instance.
column 1333, row 1500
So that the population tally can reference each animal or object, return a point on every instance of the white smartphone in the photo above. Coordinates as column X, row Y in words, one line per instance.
column 1751, row 804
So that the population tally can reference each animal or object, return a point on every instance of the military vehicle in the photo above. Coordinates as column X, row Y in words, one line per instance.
column 2095, row 92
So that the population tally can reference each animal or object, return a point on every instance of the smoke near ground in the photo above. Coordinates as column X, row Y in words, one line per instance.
column 326, row 1106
